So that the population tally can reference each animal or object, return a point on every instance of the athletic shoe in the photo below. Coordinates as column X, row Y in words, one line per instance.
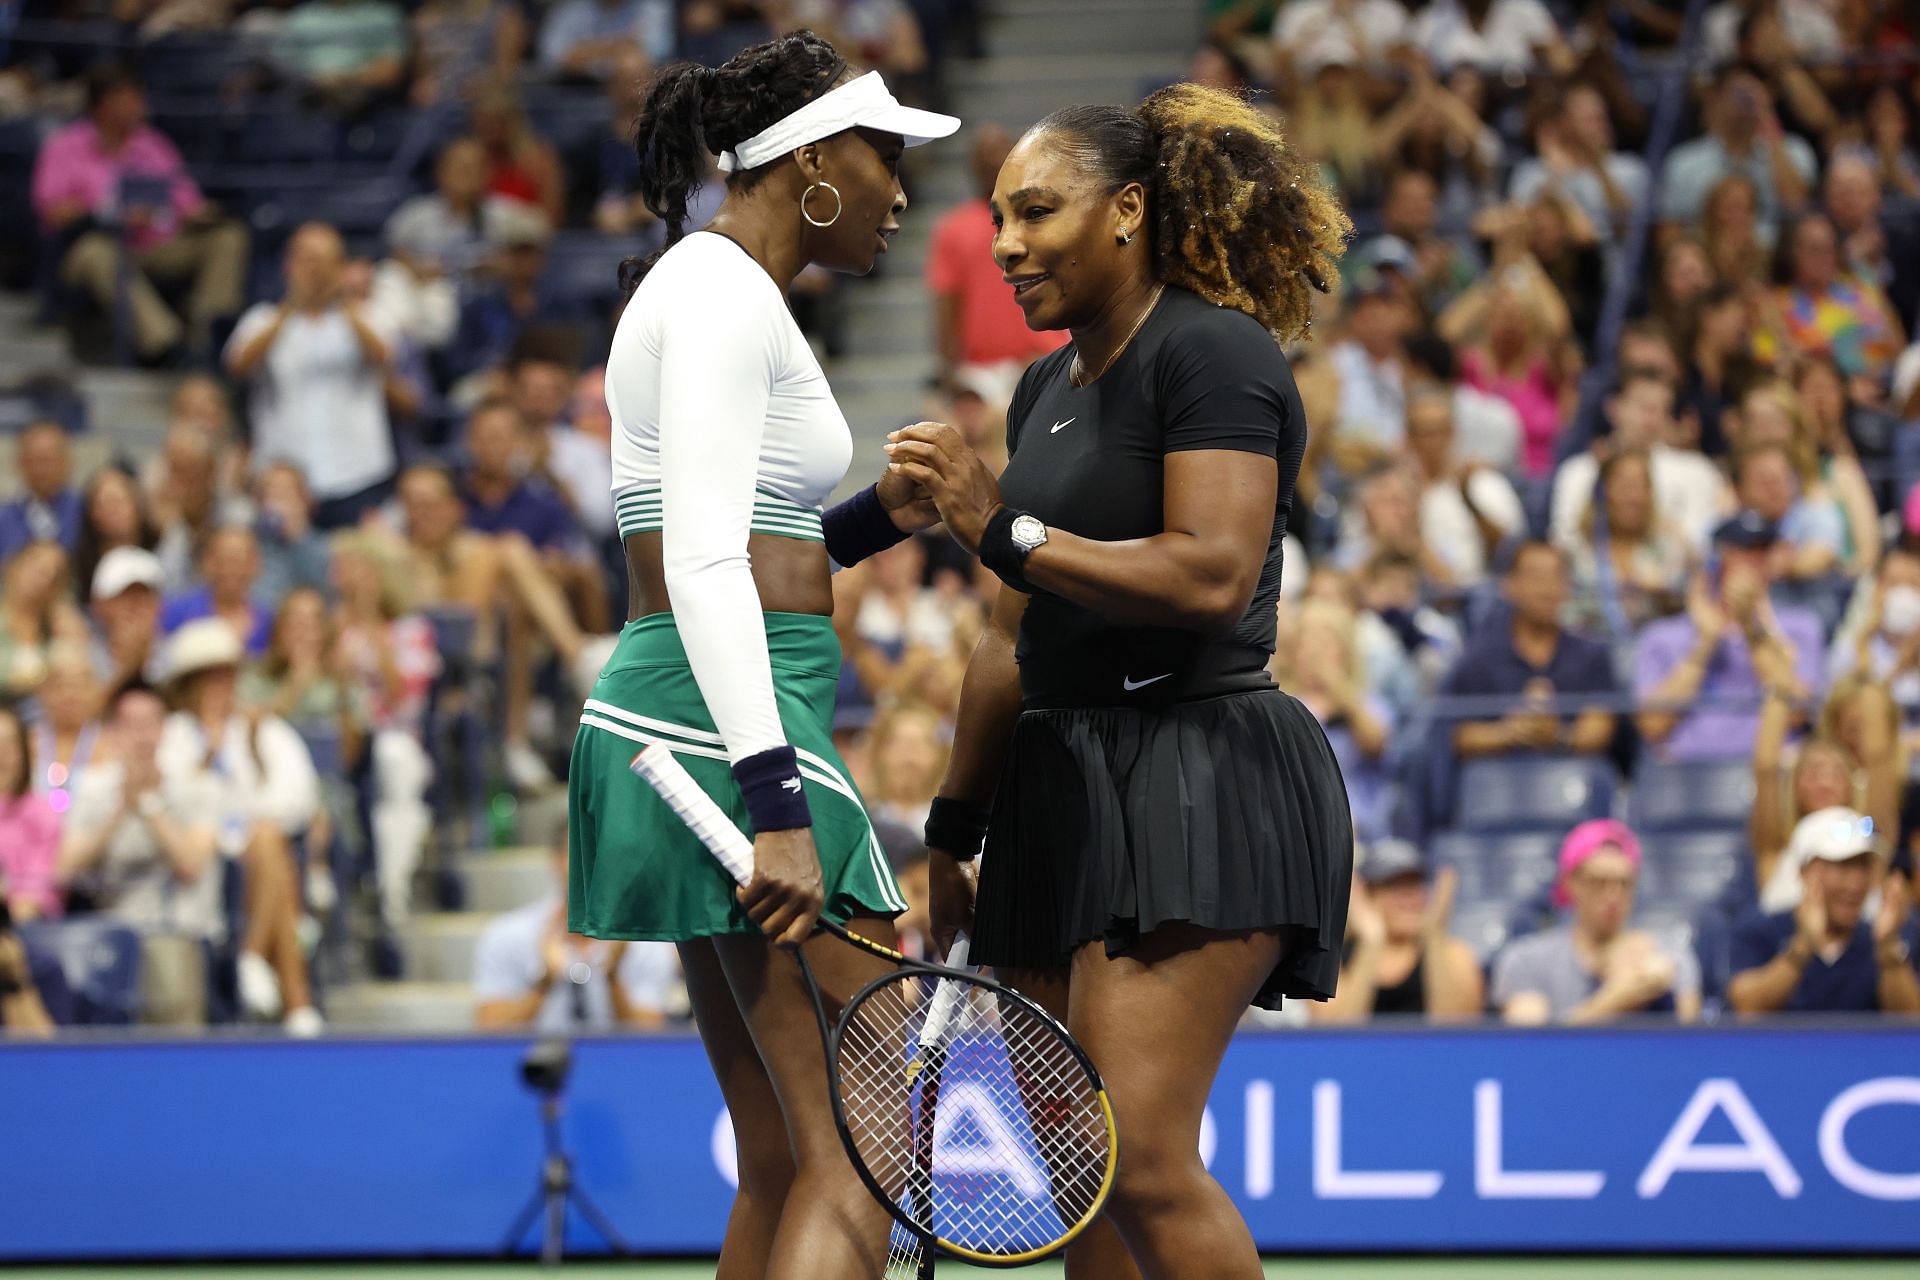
column 259, row 986
column 304, row 1023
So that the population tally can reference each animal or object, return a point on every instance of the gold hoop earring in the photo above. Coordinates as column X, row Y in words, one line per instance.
column 834, row 191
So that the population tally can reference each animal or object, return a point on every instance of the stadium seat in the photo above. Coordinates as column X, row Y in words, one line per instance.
column 190, row 63
column 1484, row 926
column 101, row 962
column 1708, row 795
column 585, row 269
column 1533, row 793
column 1508, row 869
column 1698, row 869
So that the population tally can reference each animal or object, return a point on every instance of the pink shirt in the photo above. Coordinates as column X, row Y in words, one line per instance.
column 1532, row 396
column 29, row 847
column 72, row 166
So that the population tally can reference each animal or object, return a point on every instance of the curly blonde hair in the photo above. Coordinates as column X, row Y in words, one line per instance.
column 1235, row 214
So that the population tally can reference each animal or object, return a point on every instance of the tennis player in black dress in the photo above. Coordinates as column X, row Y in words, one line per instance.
column 1166, row 833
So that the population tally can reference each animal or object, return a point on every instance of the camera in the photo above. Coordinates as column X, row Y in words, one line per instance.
column 546, row 1066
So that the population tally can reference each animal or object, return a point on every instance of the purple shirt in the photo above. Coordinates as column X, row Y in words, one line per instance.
column 1711, row 733
column 72, row 167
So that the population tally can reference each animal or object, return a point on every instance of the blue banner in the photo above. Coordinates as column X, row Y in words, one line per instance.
column 1791, row 1138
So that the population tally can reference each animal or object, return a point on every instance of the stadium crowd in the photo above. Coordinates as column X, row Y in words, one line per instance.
column 1603, row 578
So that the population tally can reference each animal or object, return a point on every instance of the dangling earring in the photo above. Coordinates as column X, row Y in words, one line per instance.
column 836, row 204
column 1126, row 237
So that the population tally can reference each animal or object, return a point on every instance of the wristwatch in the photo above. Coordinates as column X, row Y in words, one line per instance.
column 1027, row 533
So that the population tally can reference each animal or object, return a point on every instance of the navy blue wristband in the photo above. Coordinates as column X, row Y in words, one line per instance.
column 859, row 527
column 776, row 800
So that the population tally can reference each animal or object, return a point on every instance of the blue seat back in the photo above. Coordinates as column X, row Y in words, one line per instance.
column 101, row 963
column 1707, row 795
column 1532, row 793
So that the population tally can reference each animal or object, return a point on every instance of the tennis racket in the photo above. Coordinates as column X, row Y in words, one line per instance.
column 967, row 1110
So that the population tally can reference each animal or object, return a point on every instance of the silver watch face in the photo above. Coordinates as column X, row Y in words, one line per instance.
column 1028, row 532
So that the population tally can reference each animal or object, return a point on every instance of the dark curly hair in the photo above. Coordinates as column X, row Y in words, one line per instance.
column 690, row 112
column 1233, row 212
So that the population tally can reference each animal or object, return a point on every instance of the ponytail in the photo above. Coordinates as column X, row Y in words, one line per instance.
column 1234, row 213
column 671, row 142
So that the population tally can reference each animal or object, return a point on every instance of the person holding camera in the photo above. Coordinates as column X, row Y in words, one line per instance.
column 1744, row 136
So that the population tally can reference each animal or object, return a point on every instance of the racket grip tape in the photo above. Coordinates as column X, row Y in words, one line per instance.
column 693, row 806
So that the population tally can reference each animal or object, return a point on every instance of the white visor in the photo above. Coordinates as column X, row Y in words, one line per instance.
column 862, row 103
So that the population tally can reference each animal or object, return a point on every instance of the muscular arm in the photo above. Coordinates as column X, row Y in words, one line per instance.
column 1198, row 575
column 989, row 705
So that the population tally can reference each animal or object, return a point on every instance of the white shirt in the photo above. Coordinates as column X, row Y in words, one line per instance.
column 508, row 964
column 1504, row 42
column 133, row 881
column 266, row 772
column 1373, row 397
column 1687, row 489
column 1486, row 428
column 1448, row 526
column 1317, row 32
column 1810, row 28
column 317, row 402
column 584, row 467
column 723, row 424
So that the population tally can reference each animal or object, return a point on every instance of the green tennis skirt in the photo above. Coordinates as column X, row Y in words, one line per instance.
column 634, row 869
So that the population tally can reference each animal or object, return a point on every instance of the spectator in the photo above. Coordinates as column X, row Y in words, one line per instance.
column 1441, row 130
column 29, row 830
column 1466, row 511
column 230, row 567
column 522, row 167
column 1534, row 661
column 49, row 510
column 1577, row 158
column 113, row 514
column 1852, row 440
column 1687, row 488
column 142, row 843
column 1888, row 140
column 348, row 54
column 1822, row 309
column 909, row 753
column 269, row 795
column 1420, row 642
column 126, row 615
column 1883, row 640
column 293, row 554
column 1328, row 677
column 194, row 486
column 499, row 498
column 23, row 1010
column 530, row 974
column 1442, row 268
column 1872, row 249
column 494, row 318
column 573, row 429
column 1732, row 647
column 980, row 329
column 882, row 34
column 1684, row 276
column 1738, row 243
column 113, row 174
column 1311, row 34
column 1508, row 38
column 318, row 364
column 1743, row 137
column 1771, row 413
column 442, row 236
column 1512, row 333
column 1388, row 520
column 1371, row 361
column 458, row 44
column 1811, row 535
column 1628, row 564
column 66, row 732
column 1722, row 349
column 36, row 612
column 584, row 39
column 391, row 658
column 1823, row 777
column 1399, row 956
column 1823, row 956
column 1594, row 968
column 604, row 173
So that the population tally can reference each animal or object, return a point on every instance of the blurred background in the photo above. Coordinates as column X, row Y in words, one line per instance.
column 1603, row 577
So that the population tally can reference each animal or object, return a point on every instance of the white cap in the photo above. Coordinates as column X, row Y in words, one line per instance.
column 1837, row 834
column 202, row 645
column 860, row 103
column 125, row 567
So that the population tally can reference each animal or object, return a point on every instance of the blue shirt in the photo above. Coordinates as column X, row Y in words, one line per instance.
column 531, row 510
column 191, row 606
column 1492, row 667
column 28, row 519
column 1851, row 984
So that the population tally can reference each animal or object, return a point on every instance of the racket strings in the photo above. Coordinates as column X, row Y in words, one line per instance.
column 990, row 1135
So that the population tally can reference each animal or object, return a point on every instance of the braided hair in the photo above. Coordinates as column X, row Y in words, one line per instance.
column 1234, row 213
column 690, row 112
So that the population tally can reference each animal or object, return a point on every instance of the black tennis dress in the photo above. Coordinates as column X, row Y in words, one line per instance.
column 1155, row 774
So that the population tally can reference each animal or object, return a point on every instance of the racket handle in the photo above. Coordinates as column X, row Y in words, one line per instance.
column 697, row 809
column 944, row 994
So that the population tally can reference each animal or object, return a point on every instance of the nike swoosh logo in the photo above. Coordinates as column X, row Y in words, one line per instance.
column 1130, row 685
column 1069, row 422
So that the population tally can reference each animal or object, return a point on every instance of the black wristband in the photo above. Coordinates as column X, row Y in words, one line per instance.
column 998, row 552
column 776, row 799
column 859, row 527
column 957, row 827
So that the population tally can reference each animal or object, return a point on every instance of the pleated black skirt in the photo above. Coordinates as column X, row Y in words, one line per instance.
column 1227, row 812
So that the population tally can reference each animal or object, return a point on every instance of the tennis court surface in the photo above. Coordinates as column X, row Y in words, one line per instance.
column 1318, row 1268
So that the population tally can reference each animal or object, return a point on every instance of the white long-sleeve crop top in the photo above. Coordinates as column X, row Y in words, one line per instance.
column 723, row 426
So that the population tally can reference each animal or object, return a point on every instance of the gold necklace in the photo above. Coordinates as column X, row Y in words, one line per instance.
column 1082, row 377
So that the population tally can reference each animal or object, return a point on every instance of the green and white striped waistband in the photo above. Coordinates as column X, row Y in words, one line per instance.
column 641, row 511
